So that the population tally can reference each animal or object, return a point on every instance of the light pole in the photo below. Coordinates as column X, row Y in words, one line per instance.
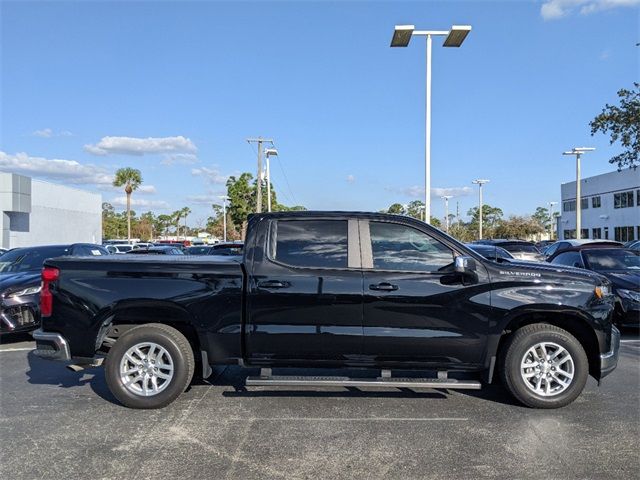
column 480, row 182
column 446, row 211
column 578, row 151
column 421, row 210
column 454, row 37
column 224, row 199
column 268, row 153
column 551, row 204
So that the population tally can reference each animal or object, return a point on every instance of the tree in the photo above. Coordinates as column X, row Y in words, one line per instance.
column 185, row 211
column 415, row 209
column 397, row 209
column 131, row 179
column 622, row 123
column 164, row 221
column 491, row 217
column 241, row 195
column 541, row 216
column 176, row 216
column 518, row 227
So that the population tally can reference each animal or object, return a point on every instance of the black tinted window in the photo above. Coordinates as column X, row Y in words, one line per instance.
column 312, row 243
column 519, row 247
column 573, row 259
column 399, row 247
column 27, row 259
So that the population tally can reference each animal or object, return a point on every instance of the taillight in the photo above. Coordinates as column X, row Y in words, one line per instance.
column 49, row 274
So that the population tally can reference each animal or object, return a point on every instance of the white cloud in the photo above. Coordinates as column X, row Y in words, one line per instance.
column 55, row 169
column 416, row 191
column 211, row 175
column 141, row 146
column 554, row 9
column 139, row 202
column 48, row 133
column 351, row 179
column 206, row 199
column 179, row 158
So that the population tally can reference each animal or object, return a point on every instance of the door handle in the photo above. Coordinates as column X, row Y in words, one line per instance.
column 385, row 286
column 273, row 284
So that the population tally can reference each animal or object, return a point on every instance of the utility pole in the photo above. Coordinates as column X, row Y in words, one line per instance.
column 224, row 199
column 259, row 141
column 446, row 211
column 551, row 204
column 458, row 212
column 269, row 152
column 480, row 182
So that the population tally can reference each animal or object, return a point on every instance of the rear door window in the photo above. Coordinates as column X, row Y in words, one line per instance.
column 572, row 259
column 311, row 243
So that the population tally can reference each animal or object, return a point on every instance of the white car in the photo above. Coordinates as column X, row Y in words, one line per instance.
column 119, row 249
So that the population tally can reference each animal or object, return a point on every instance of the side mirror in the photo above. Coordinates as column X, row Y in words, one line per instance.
column 465, row 265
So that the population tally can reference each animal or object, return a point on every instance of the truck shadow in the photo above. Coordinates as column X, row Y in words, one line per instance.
column 46, row 372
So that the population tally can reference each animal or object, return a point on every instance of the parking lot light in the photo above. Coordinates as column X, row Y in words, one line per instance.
column 480, row 182
column 454, row 37
column 269, row 152
column 578, row 152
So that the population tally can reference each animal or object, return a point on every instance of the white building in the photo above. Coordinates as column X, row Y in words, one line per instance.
column 41, row 213
column 610, row 207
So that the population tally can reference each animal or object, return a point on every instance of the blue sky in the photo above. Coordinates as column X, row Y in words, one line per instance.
column 345, row 110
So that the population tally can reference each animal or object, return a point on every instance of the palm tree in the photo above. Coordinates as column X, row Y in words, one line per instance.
column 131, row 179
column 177, row 215
column 185, row 212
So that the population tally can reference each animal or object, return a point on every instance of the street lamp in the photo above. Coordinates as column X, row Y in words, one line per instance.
column 551, row 204
column 268, row 153
column 578, row 151
column 446, row 211
column 480, row 182
column 224, row 199
column 454, row 37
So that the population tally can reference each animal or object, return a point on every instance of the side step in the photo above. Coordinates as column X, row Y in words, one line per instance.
column 384, row 381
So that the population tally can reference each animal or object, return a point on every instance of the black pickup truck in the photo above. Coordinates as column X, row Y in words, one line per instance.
column 333, row 290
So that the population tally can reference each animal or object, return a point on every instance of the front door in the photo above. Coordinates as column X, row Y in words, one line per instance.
column 305, row 294
column 417, row 309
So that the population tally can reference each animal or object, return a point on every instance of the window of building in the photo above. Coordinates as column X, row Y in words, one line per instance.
column 584, row 203
column 623, row 199
column 569, row 234
column 606, row 233
column 638, row 198
column 312, row 243
column 596, row 233
column 399, row 247
column 569, row 206
column 584, row 233
column 595, row 202
column 623, row 234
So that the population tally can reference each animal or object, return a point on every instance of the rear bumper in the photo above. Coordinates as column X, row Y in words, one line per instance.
column 51, row 346
column 609, row 360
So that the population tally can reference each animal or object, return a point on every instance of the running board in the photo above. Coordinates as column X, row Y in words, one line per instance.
column 384, row 382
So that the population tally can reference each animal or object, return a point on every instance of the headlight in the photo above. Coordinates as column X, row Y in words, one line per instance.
column 629, row 294
column 603, row 291
column 24, row 292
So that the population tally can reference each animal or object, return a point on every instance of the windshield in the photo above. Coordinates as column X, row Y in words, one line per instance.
column 197, row 250
column 519, row 247
column 29, row 259
column 619, row 259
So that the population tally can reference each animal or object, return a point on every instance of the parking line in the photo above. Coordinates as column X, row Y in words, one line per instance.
column 16, row 349
column 353, row 419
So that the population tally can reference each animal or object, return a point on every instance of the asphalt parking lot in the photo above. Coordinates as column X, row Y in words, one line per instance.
column 56, row 423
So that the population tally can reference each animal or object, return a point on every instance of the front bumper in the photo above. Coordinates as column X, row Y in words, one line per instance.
column 609, row 360
column 51, row 345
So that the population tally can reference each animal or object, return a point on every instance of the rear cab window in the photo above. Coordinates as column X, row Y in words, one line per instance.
column 313, row 243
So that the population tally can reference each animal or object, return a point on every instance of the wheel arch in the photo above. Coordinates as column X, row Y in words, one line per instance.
column 569, row 320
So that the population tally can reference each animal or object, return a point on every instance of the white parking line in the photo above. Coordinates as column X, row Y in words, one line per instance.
column 15, row 349
column 339, row 419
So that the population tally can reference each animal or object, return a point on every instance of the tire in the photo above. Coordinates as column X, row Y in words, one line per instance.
column 547, row 385
column 146, row 354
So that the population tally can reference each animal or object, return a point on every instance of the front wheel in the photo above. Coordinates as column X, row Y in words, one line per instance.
column 149, row 366
column 544, row 366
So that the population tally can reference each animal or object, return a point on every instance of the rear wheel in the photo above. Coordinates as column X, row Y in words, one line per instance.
column 544, row 366
column 149, row 366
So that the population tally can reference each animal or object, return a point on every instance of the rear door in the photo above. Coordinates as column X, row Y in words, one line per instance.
column 305, row 293
column 417, row 309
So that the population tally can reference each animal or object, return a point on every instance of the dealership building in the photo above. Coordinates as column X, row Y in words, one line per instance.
column 610, row 207
column 41, row 213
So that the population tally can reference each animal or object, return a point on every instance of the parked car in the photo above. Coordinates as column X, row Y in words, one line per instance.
column 543, row 244
column 635, row 246
column 182, row 244
column 566, row 244
column 520, row 249
column 220, row 249
column 20, row 282
column 319, row 289
column 143, row 245
column 621, row 266
column 163, row 250
column 119, row 249
column 491, row 252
